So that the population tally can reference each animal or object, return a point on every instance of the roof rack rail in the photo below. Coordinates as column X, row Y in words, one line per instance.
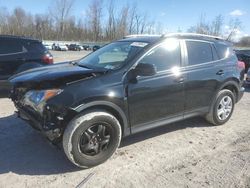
column 19, row 36
column 191, row 35
column 140, row 35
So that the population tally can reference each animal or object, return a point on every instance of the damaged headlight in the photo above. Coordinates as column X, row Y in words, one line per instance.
column 37, row 98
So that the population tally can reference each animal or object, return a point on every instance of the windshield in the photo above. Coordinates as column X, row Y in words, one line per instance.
column 112, row 56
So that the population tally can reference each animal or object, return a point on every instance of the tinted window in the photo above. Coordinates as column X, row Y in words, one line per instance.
column 165, row 56
column 35, row 46
column 223, row 50
column 199, row 52
column 10, row 46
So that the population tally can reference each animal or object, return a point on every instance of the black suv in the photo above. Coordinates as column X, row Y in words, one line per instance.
column 126, row 87
column 18, row 54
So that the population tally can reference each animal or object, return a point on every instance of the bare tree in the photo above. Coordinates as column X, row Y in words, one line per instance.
column 3, row 20
column 94, row 15
column 234, row 26
column 132, row 19
column 150, row 28
column 122, row 22
column 216, row 26
column 111, row 25
column 209, row 28
column 61, row 11
column 59, row 24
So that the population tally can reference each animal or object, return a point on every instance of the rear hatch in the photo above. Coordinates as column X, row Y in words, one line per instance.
column 38, row 53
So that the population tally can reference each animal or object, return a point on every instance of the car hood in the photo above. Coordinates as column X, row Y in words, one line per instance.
column 61, row 73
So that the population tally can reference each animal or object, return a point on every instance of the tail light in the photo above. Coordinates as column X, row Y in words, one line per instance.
column 48, row 59
column 241, row 65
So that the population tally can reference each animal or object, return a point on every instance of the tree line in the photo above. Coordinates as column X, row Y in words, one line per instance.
column 102, row 21
column 99, row 23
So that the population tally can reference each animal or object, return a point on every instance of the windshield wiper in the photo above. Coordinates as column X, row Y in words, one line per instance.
column 80, row 65
column 102, row 69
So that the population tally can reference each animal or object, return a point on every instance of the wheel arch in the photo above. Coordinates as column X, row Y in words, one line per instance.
column 109, row 107
column 232, row 85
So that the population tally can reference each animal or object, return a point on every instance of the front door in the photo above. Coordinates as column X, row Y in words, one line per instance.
column 159, row 97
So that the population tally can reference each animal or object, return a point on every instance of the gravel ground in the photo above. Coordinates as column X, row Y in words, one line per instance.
column 191, row 153
column 69, row 55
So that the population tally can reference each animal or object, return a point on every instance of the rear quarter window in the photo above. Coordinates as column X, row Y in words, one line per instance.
column 223, row 50
column 35, row 47
column 199, row 52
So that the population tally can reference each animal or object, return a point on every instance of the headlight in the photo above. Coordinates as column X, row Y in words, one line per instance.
column 38, row 98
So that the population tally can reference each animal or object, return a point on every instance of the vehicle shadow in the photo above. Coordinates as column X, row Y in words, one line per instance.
column 193, row 122
column 25, row 151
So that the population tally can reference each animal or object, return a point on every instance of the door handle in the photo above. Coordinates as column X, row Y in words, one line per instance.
column 220, row 72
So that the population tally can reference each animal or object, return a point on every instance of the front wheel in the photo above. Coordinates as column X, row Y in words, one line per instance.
column 222, row 108
column 91, row 138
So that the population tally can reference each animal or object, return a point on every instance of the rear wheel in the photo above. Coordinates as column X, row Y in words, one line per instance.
column 91, row 138
column 222, row 108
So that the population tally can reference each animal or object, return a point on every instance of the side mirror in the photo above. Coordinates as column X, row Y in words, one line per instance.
column 145, row 69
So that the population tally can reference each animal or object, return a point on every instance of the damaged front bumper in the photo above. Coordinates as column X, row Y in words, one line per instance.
column 50, row 119
column 47, row 128
column 51, row 124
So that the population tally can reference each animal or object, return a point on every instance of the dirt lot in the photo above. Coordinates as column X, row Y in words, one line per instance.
column 69, row 55
column 190, row 153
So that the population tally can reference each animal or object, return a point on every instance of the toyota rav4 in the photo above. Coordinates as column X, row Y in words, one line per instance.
column 128, row 86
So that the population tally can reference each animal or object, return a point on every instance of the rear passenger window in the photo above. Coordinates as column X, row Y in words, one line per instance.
column 10, row 47
column 199, row 52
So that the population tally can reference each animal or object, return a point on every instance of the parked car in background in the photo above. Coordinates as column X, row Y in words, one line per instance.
column 74, row 47
column 247, row 82
column 60, row 47
column 96, row 47
column 18, row 54
column 126, row 87
column 244, row 55
column 48, row 47
column 86, row 47
column 81, row 48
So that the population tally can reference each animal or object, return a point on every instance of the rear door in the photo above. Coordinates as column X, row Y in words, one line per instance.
column 203, row 76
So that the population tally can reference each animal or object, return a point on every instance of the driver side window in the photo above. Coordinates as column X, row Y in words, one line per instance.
column 165, row 56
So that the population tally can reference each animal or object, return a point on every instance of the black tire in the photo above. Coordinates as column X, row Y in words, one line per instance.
column 76, row 130
column 212, row 116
